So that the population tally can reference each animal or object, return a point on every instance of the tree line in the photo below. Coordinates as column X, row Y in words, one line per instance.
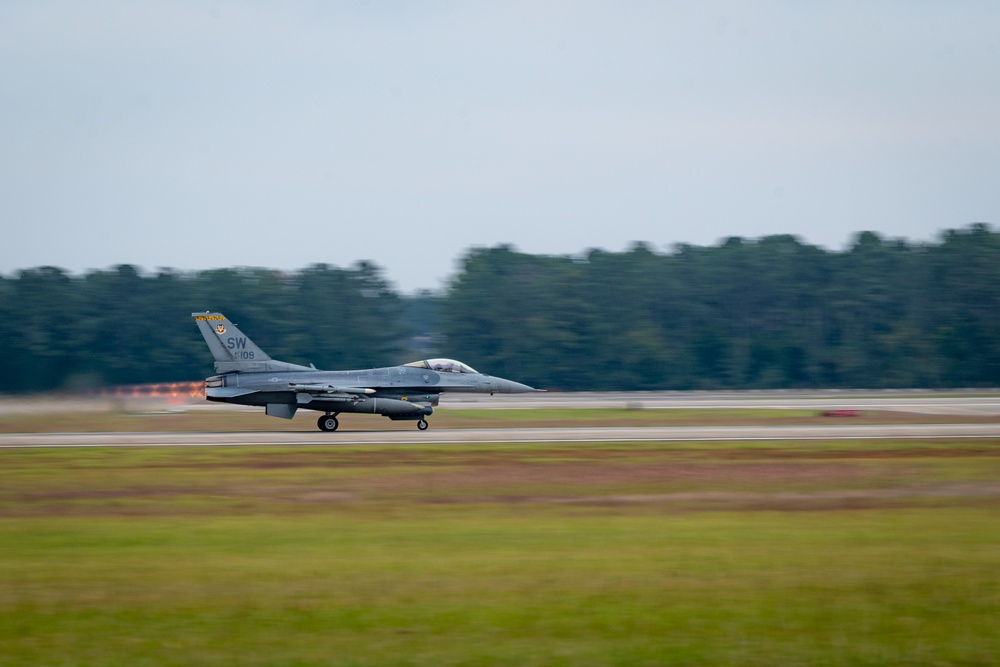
column 766, row 313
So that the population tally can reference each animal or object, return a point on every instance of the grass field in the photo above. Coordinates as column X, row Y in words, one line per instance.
column 780, row 553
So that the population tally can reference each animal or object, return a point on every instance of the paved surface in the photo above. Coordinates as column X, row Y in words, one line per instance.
column 922, row 402
column 917, row 401
column 544, row 435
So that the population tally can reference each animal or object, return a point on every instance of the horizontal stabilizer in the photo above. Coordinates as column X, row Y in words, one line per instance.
column 269, row 366
column 227, row 392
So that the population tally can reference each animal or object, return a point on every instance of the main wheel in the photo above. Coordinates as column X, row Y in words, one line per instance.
column 328, row 423
column 422, row 424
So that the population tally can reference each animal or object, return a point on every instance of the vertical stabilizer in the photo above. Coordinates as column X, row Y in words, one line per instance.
column 227, row 343
column 234, row 352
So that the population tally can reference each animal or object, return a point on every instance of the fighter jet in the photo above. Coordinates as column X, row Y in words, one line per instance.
column 246, row 375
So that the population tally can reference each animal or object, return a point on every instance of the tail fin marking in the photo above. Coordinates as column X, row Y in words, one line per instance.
column 226, row 342
column 233, row 350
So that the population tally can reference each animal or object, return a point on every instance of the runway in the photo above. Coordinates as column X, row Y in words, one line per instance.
column 922, row 402
column 950, row 403
column 515, row 435
column 979, row 402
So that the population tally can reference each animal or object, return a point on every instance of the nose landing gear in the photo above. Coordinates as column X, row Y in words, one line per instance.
column 422, row 424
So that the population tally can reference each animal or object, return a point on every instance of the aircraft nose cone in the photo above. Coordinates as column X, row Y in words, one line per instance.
column 511, row 387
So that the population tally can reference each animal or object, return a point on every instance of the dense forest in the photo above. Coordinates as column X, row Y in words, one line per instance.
column 765, row 313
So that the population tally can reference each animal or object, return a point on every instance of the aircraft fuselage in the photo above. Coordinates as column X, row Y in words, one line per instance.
column 418, row 386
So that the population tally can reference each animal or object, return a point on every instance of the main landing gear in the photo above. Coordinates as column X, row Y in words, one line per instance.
column 328, row 423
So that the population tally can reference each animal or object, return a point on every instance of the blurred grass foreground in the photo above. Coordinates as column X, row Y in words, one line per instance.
column 858, row 553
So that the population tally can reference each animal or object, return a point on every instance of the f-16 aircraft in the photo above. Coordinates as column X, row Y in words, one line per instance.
column 248, row 376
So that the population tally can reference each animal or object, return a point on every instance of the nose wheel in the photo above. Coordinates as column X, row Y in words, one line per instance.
column 422, row 424
column 328, row 423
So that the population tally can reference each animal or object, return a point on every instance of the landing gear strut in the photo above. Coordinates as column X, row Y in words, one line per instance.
column 328, row 423
column 422, row 424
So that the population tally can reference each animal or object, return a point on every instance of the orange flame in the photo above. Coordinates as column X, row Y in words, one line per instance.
column 158, row 390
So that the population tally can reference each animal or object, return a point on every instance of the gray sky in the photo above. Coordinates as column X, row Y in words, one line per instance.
column 200, row 135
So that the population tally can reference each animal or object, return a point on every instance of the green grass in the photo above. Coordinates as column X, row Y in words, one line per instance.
column 859, row 553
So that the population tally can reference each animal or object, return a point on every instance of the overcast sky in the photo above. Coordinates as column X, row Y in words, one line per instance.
column 199, row 135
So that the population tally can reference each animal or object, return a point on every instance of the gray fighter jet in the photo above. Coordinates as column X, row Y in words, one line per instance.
column 248, row 376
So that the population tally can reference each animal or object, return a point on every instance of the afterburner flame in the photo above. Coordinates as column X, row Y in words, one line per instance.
column 158, row 390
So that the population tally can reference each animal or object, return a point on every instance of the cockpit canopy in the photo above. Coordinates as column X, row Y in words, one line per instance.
column 443, row 366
